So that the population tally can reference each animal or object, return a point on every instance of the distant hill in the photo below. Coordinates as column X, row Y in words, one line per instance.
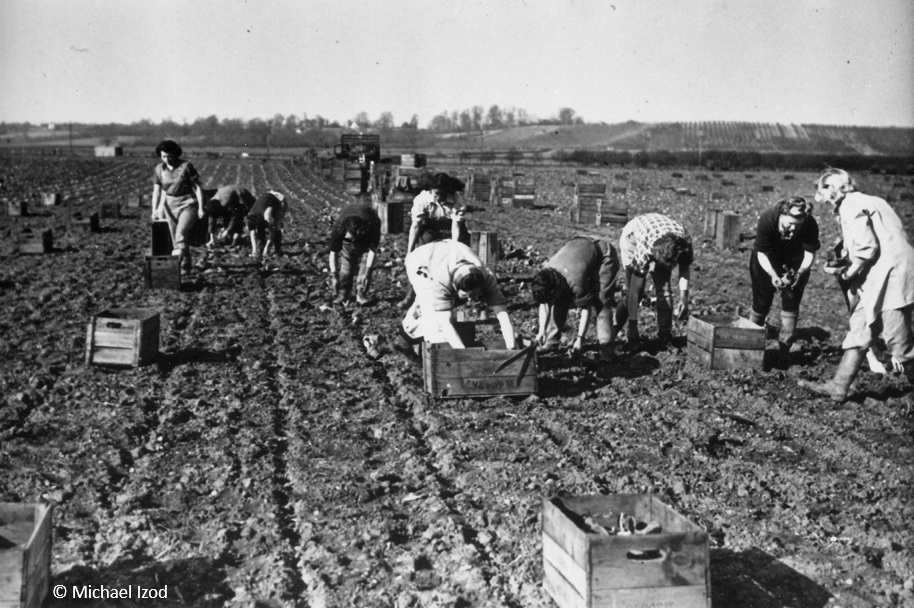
column 688, row 136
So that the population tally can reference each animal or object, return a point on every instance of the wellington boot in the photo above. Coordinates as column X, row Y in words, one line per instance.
column 837, row 387
column 757, row 318
column 787, row 340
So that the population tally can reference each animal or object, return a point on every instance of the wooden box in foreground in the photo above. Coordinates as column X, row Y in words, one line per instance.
column 722, row 342
column 584, row 569
column 31, row 241
column 162, row 272
column 160, row 238
column 123, row 337
column 478, row 371
column 25, row 554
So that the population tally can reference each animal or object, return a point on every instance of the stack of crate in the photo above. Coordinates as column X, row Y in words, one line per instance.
column 352, row 178
column 593, row 206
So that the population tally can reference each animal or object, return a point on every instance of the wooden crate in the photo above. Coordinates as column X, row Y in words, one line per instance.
column 31, row 241
column 123, row 337
column 478, row 371
column 712, row 217
column 25, row 557
column 162, row 272
column 85, row 225
column 479, row 187
column 50, row 199
column 17, row 209
column 722, row 342
column 137, row 201
column 485, row 244
column 583, row 569
column 524, row 193
column 392, row 216
column 109, row 210
column 727, row 230
column 160, row 238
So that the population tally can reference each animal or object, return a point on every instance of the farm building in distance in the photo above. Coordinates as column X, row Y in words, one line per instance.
column 109, row 151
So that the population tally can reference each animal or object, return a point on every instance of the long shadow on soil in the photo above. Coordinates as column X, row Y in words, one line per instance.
column 193, row 581
column 560, row 376
column 755, row 579
column 168, row 361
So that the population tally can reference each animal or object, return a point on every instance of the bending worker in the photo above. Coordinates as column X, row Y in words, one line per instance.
column 355, row 232
column 445, row 275
column 582, row 274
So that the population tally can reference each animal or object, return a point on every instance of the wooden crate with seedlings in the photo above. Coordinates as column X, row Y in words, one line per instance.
column 33, row 241
column 160, row 238
column 587, row 563
column 478, row 371
column 722, row 342
column 81, row 224
column 17, row 209
column 162, row 272
column 593, row 206
column 109, row 210
column 123, row 337
column 392, row 216
column 25, row 554
column 485, row 244
column 50, row 199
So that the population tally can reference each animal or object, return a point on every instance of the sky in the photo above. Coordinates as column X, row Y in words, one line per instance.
column 843, row 62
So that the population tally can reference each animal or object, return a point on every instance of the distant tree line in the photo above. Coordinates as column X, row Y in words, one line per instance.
column 733, row 160
column 478, row 119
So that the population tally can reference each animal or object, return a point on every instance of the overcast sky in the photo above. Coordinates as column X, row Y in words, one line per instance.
column 789, row 61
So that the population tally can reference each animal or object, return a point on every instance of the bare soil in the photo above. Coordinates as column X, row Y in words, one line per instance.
column 265, row 460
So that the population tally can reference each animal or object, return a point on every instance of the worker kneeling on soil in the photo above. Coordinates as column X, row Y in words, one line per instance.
column 445, row 275
column 653, row 243
column 879, row 279
column 356, row 231
column 786, row 242
column 267, row 215
column 228, row 205
column 582, row 274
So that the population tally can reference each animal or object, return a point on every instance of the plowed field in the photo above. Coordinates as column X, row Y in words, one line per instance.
column 265, row 460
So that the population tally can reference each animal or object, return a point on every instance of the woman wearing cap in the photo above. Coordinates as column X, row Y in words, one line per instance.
column 437, row 214
column 786, row 242
column 177, row 184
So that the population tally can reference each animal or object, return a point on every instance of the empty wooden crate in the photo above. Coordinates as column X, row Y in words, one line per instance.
column 16, row 208
column 25, row 554
column 587, row 568
column 722, row 342
column 82, row 225
column 123, row 337
column 162, row 272
column 160, row 238
column 478, row 371
column 524, row 193
column 109, row 210
column 34, row 241
column 392, row 215
column 485, row 244
column 50, row 199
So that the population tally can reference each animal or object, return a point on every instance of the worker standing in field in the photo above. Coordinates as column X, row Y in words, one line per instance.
column 437, row 213
column 356, row 232
column 445, row 275
column 879, row 277
column 582, row 274
column 177, row 196
column 228, row 205
column 265, row 223
column 654, row 244
column 786, row 242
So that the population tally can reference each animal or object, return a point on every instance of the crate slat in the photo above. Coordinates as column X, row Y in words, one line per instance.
column 25, row 568
column 562, row 592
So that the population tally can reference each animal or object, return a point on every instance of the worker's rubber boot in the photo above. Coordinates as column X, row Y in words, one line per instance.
column 787, row 340
column 664, row 325
column 757, row 318
column 837, row 387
